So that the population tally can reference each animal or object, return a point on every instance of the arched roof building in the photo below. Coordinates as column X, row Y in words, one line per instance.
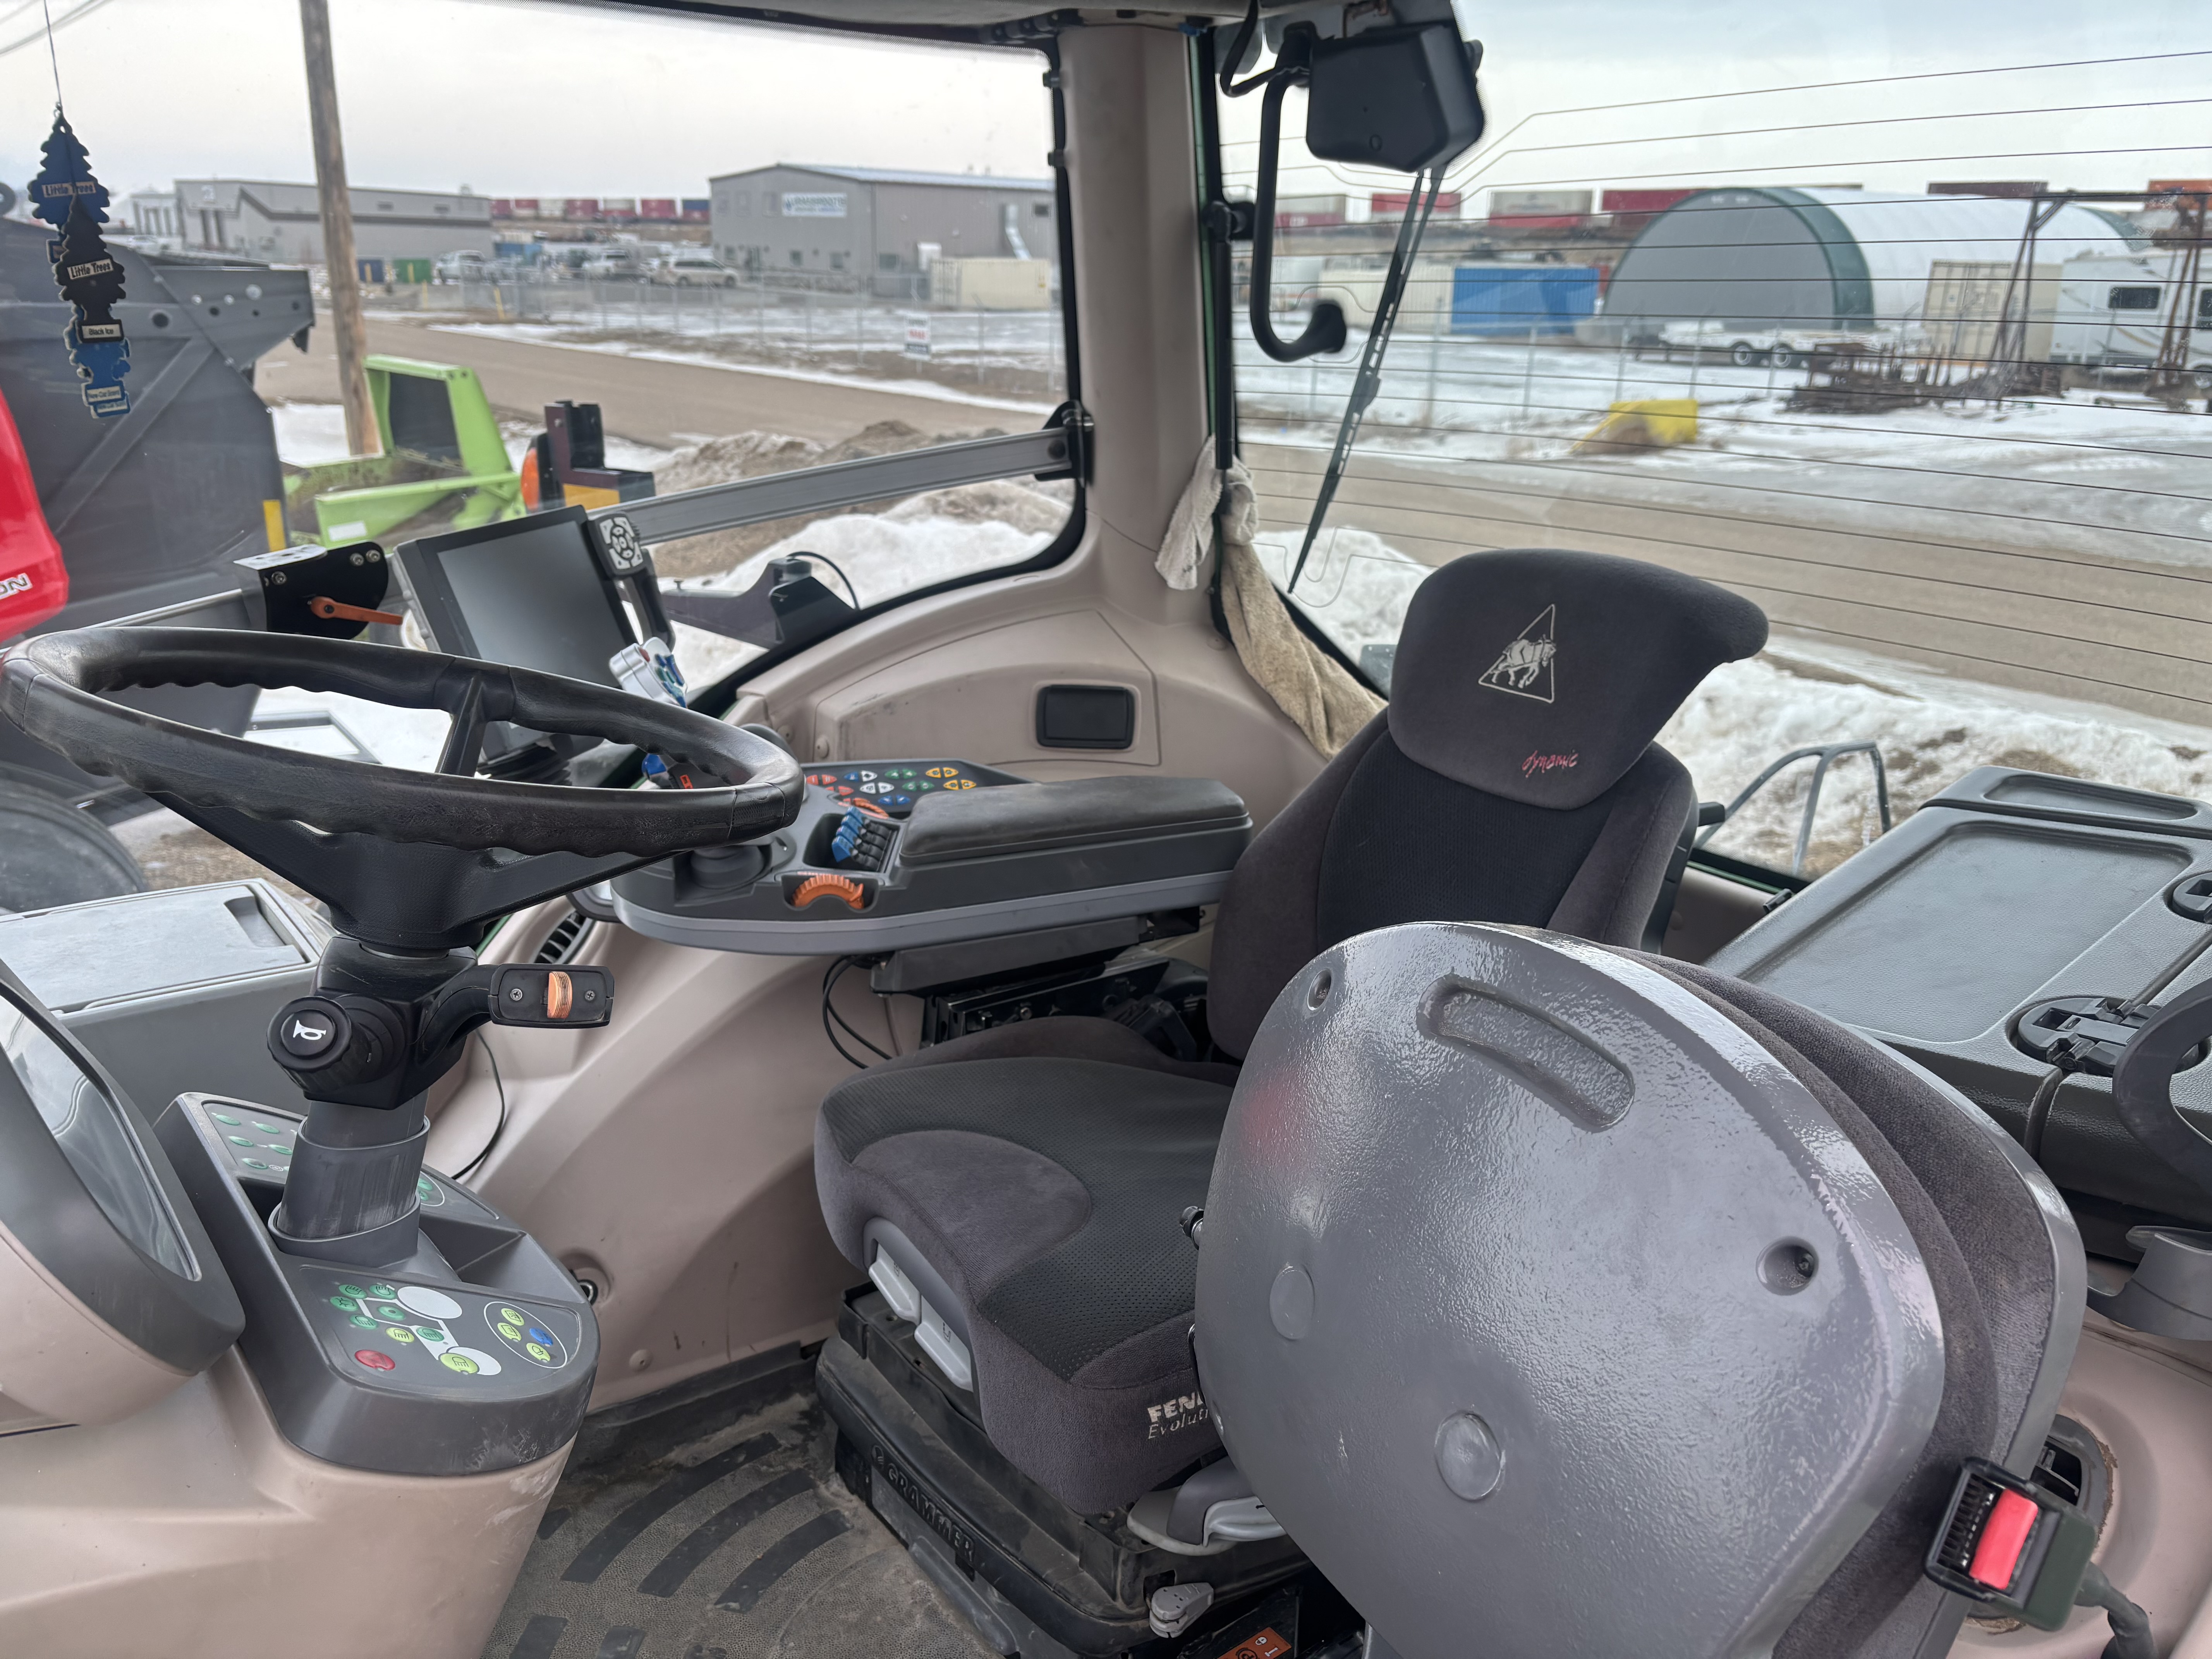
column 1824, row 257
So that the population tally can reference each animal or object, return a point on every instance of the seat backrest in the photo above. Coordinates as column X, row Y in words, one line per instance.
column 1606, row 1306
column 1512, row 778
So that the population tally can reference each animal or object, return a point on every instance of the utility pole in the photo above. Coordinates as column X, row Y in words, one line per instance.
column 337, row 203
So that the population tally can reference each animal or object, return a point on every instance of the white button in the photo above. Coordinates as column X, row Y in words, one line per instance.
column 431, row 1304
column 486, row 1365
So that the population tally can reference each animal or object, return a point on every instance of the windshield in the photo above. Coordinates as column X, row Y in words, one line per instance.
column 1754, row 296
column 752, row 251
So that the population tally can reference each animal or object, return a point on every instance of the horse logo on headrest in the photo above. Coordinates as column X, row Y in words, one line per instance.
column 1525, row 667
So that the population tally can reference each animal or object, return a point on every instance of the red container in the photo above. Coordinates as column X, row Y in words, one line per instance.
column 1643, row 201
column 657, row 207
column 581, row 207
column 34, row 585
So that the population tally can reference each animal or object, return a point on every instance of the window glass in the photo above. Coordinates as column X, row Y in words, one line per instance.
column 753, row 249
column 1747, row 292
column 93, row 1136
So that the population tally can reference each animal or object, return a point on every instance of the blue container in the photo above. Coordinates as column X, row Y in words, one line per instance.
column 1508, row 301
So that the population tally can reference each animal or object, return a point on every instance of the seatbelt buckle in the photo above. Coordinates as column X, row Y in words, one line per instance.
column 2006, row 1544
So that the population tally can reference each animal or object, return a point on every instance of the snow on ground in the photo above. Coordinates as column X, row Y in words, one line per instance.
column 547, row 335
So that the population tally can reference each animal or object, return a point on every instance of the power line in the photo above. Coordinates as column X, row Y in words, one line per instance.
column 45, row 30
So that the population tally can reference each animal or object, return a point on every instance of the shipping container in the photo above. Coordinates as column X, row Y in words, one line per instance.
column 1510, row 300
column 1311, row 212
column 697, row 210
column 618, row 206
column 1521, row 206
column 991, row 285
column 581, row 207
column 657, row 207
column 1645, row 201
column 502, row 207
column 525, row 207
column 1391, row 204
column 1966, row 298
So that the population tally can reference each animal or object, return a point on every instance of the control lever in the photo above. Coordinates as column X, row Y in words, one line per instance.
column 364, row 1053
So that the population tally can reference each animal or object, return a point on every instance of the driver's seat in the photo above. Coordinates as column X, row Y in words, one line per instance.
column 1019, row 1190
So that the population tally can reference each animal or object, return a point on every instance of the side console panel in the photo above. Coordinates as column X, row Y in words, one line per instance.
column 1951, row 937
column 476, row 1354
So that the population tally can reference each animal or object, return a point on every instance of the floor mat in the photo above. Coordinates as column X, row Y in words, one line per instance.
column 742, row 1542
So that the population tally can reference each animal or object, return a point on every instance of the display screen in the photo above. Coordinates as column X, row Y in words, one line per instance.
column 534, row 599
column 93, row 1135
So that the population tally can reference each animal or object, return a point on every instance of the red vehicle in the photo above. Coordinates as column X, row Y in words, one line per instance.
column 34, row 585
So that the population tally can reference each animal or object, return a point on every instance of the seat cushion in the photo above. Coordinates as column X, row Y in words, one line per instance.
column 1047, row 1193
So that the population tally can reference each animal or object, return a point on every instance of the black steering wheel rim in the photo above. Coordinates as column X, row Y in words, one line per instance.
column 51, row 686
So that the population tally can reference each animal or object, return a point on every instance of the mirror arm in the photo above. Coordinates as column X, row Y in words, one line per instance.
column 1324, row 329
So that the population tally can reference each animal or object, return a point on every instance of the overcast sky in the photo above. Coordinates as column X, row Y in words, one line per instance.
column 529, row 97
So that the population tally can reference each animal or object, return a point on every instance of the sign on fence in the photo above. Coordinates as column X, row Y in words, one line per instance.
column 917, row 336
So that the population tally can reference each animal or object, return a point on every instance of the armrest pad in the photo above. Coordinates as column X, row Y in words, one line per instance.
column 1035, row 818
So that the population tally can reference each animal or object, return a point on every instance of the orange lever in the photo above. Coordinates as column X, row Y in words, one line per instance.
column 328, row 609
column 560, row 995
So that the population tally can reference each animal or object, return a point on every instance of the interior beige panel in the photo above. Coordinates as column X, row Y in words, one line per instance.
column 195, row 1527
column 2149, row 1403
column 64, row 1363
column 672, row 1150
column 999, row 672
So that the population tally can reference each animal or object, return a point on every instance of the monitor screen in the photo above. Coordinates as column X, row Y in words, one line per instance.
column 528, row 592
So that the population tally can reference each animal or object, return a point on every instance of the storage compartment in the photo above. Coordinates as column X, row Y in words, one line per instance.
column 2009, row 891
column 173, row 990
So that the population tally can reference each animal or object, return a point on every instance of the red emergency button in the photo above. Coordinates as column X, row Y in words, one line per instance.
column 384, row 1362
column 1997, row 1557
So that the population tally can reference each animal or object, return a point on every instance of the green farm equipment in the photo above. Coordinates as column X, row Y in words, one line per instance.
column 444, row 465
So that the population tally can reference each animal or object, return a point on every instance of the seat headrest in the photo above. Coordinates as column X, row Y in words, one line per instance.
column 1541, row 675
column 1536, row 1296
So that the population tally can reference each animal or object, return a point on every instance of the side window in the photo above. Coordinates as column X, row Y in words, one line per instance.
column 1730, row 319
column 866, row 297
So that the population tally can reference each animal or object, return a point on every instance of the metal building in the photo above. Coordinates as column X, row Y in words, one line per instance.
column 282, row 223
column 1763, row 256
column 876, row 223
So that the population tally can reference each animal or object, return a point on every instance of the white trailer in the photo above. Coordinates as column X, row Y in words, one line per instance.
column 2113, row 309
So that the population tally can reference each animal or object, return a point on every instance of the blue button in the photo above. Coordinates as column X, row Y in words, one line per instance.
column 538, row 1335
column 902, row 800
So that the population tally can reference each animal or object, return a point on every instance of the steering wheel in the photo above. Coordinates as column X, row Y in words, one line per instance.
column 405, row 859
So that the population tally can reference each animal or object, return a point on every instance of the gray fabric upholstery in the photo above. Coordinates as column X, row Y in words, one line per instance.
column 1611, row 897
column 1989, row 1259
column 1049, row 1193
column 1540, row 675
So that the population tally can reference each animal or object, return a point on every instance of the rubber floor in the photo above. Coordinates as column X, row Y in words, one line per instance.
column 741, row 1543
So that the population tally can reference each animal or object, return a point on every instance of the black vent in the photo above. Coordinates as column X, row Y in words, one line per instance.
column 567, row 936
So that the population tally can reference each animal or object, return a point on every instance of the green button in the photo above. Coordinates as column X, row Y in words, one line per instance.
column 269, row 1128
column 394, row 1312
column 512, row 1317
column 363, row 1321
column 423, row 1188
column 429, row 1332
column 399, row 1333
column 352, row 1290
column 538, row 1352
column 239, row 1141
column 345, row 1304
column 382, row 1290
column 512, row 1333
column 459, row 1362
column 253, row 1164
column 224, row 1117
column 276, row 1146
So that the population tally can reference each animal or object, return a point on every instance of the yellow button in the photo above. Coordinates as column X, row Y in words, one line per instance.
column 539, row 1352
column 399, row 1332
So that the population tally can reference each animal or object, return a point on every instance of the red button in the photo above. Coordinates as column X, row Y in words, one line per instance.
column 375, row 1361
column 2003, row 1537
